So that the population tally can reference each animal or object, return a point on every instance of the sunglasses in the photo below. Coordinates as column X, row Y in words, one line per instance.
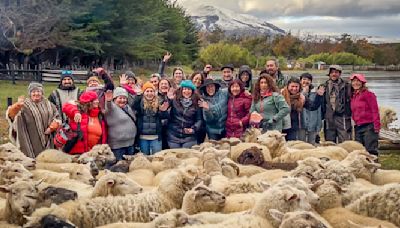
column 66, row 72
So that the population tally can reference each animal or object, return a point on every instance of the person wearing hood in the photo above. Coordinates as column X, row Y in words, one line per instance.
column 185, row 119
column 365, row 113
column 239, row 104
column 66, row 91
column 245, row 75
column 215, row 106
column 269, row 103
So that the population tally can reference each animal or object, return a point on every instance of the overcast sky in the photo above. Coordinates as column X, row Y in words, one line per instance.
column 362, row 17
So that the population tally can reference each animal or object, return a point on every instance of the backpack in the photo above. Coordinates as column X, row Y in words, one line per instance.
column 66, row 138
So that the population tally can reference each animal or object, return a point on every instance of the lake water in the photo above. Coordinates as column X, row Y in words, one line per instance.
column 385, row 85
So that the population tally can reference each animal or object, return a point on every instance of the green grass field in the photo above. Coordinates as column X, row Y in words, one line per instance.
column 388, row 159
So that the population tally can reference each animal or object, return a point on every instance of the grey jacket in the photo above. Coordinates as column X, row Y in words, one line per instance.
column 121, row 128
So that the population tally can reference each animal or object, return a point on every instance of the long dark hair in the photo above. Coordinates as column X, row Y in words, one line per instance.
column 271, row 85
column 195, row 97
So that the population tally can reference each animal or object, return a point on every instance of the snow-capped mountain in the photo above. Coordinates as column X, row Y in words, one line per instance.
column 208, row 18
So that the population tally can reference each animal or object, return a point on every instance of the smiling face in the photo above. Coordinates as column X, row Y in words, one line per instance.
column 163, row 86
column 305, row 82
column 93, row 83
column 121, row 101
column 95, row 103
column 197, row 80
column 334, row 74
column 227, row 74
column 235, row 89
column 263, row 85
column 210, row 89
column 178, row 76
column 67, row 82
column 244, row 77
column 149, row 94
column 356, row 84
column 186, row 92
column 36, row 95
column 271, row 67
column 294, row 88
column 154, row 80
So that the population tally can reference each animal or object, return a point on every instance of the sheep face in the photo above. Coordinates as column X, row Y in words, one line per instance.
column 271, row 139
column 189, row 175
column 9, row 148
column 301, row 219
column 56, row 195
column 11, row 172
column 250, row 135
column 121, row 167
column 387, row 116
column 22, row 196
column 173, row 218
column 83, row 174
column 210, row 199
column 27, row 162
column 118, row 184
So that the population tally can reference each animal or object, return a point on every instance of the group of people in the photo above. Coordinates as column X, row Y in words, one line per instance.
column 180, row 111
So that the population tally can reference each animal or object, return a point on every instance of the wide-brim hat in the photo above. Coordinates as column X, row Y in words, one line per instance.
column 230, row 66
column 209, row 82
column 334, row 67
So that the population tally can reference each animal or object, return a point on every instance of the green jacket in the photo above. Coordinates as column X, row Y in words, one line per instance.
column 272, row 108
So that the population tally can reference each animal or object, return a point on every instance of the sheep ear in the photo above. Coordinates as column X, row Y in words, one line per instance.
column 110, row 183
column 264, row 185
column 153, row 215
column 75, row 159
column 314, row 186
column 325, row 159
column 291, row 196
column 38, row 182
column 277, row 215
column 4, row 189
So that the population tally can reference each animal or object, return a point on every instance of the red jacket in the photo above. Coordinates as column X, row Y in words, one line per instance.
column 364, row 108
column 82, row 146
column 238, row 113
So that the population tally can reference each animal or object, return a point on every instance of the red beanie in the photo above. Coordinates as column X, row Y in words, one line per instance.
column 88, row 96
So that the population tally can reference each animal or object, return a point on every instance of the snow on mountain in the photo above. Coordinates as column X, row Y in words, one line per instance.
column 208, row 18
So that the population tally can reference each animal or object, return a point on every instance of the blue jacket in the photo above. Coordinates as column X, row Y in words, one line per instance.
column 312, row 120
column 215, row 116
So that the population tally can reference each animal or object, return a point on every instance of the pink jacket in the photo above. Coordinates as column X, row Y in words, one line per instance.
column 364, row 108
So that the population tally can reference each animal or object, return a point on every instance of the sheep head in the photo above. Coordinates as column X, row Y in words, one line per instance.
column 171, row 219
column 250, row 135
column 272, row 139
column 11, row 172
column 55, row 195
column 209, row 199
column 140, row 161
column 297, row 219
column 27, row 162
column 81, row 173
column 116, row 184
column 22, row 197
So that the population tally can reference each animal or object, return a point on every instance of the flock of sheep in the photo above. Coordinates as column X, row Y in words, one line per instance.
column 258, row 181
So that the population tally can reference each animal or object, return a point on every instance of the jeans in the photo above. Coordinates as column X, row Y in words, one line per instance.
column 307, row 136
column 216, row 136
column 366, row 135
column 129, row 150
column 150, row 147
column 189, row 144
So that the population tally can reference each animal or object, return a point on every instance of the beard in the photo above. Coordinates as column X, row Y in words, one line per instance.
column 67, row 86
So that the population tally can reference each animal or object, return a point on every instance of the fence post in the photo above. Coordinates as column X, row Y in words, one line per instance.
column 12, row 74
column 9, row 101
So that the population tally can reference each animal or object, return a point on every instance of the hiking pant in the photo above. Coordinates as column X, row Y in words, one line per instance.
column 366, row 135
column 339, row 133
column 216, row 136
column 307, row 136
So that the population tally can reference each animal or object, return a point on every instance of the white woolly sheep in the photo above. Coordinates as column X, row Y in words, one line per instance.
column 357, row 189
column 79, row 172
column 351, row 146
column 361, row 164
column 49, row 177
column 301, row 185
column 337, row 172
column 11, row 172
column 21, row 200
column 250, row 135
column 115, row 184
column 329, row 193
column 240, row 202
column 306, row 168
column 249, row 170
column 201, row 198
column 54, row 156
column 140, row 161
column 12, row 154
column 383, row 203
column 341, row 217
column 130, row 208
column 243, row 185
column 269, row 176
column 144, row 177
column 102, row 155
column 299, row 219
column 275, row 141
column 297, row 144
column 331, row 152
column 382, row 177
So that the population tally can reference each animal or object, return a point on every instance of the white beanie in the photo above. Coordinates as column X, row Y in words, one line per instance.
column 119, row 91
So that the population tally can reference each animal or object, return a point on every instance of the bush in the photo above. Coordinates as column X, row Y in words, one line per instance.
column 222, row 53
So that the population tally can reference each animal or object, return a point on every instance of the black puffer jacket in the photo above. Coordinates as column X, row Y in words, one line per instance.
column 149, row 122
column 181, row 118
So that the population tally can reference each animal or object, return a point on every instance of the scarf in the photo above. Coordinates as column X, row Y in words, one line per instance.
column 293, row 100
column 266, row 93
column 186, row 102
column 334, row 92
column 94, row 112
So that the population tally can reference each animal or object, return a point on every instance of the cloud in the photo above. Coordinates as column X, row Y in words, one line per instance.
column 337, row 8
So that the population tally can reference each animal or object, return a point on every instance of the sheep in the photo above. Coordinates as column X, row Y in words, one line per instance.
column 229, row 168
column 240, row 202
column 343, row 218
column 383, row 203
column 115, row 184
column 249, row 170
column 211, row 162
column 27, row 162
column 269, row 176
column 275, row 141
column 387, row 116
column 144, row 177
column 329, row 193
column 306, row 168
column 121, row 166
column 219, row 182
column 351, row 146
column 242, row 185
column 361, row 163
column 130, row 208
column 21, row 200
column 337, row 172
column 301, row 185
column 140, row 161
column 250, row 135
column 382, row 177
column 237, row 150
column 49, row 177
column 50, row 195
column 297, row 144
column 11, row 172
column 84, row 190
column 181, row 153
column 9, row 148
column 54, row 156
column 51, row 221
column 245, row 220
column 102, row 155
column 357, row 189
column 80, row 172
column 173, row 218
column 331, row 152
column 298, row 219
column 201, row 198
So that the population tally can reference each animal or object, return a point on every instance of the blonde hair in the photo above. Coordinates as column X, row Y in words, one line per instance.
column 152, row 104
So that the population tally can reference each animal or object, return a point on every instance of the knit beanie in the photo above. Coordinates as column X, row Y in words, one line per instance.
column 130, row 74
column 119, row 92
column 93, row 78
column 34, row 86
column 188, row 84
column 88, row 96
column 65, row 74
column 147, row 85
